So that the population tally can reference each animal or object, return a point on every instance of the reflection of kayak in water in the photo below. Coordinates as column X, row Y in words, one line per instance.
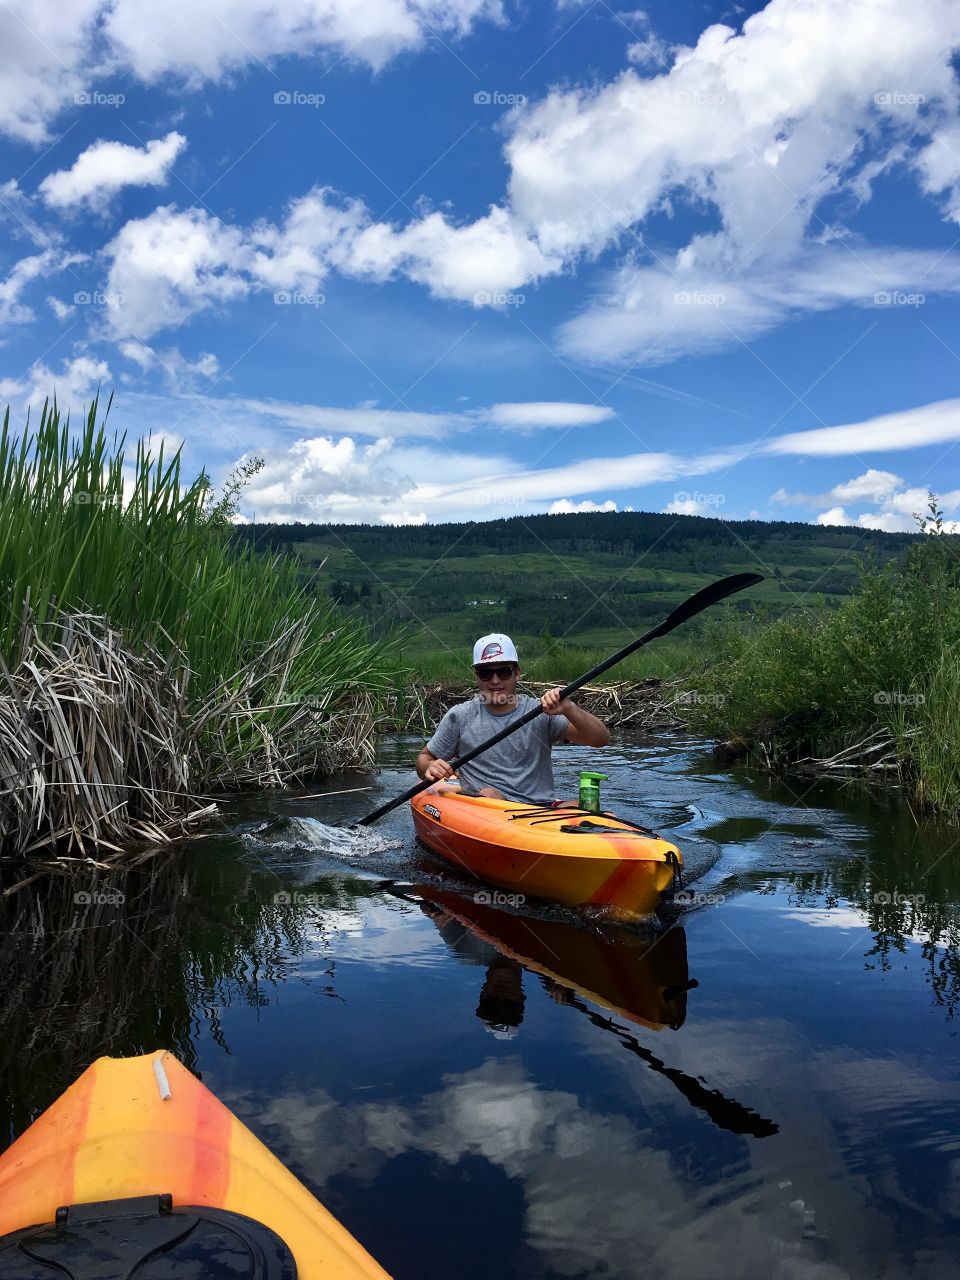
column 619, row 972
column 154, row 1167
column 566, row 855
column 640, row 977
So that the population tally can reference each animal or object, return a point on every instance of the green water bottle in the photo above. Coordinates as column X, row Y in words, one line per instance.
column 590, row 790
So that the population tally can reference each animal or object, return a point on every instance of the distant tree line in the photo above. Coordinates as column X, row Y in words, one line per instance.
column 623, row 534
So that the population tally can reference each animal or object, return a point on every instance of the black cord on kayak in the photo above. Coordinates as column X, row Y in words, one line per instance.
column 677, row 870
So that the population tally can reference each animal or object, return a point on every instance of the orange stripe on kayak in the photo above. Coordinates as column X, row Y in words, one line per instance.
column 206, row 1142
column 30, row 1194
column 81, row 1096
column 616, row 883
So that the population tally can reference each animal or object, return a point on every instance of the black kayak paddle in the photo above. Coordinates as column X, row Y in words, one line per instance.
column 699, row 601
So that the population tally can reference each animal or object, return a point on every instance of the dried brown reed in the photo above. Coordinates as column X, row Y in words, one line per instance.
column 646, row 704
column 100, row 750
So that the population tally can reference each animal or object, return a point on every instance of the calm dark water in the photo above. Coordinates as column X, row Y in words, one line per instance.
column 474, row 1092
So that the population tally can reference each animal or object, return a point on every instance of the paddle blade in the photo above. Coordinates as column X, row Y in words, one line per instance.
column 708, row 596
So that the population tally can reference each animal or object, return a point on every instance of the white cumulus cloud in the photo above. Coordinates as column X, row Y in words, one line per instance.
column 751, row 122
column 873, row 485
column 73, row 386
column 563, row 506
column 46, row 46
column 756, row 128
column 324, row 479
column 318, row 476
column 809, row 99
column 895, row 503
column 179, row 372
column 200, row 42
column 55, row 49
column 107, row 167
column 836, row 515
column 60, row 309
column 171, row 264
column 403, row 517
column 939, row 166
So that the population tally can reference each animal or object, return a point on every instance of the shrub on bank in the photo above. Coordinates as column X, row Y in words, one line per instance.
column 817, row 681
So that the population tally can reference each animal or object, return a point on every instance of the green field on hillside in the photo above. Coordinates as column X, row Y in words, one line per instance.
column 557, row 584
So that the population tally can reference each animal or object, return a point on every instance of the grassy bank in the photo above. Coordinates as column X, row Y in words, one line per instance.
column 877, row 679
column 252, row 677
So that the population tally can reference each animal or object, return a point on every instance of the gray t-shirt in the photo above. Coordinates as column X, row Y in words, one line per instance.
column 520, row 766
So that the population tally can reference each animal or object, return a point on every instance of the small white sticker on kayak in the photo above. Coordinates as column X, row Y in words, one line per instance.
column 163, row 1083
column 433, row 811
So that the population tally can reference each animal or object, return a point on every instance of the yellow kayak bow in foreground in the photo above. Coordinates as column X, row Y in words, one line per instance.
column 145, row 1131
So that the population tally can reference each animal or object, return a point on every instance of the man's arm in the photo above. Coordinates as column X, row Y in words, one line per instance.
column 431, row 767
column 432, row 764
column 584, row 727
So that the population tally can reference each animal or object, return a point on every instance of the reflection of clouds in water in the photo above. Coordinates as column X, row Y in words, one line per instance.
column 374, row 931
column 312, row 1132
column 873, row 1097
column 853, row 1130
column 604, row 1195
column 492, row 1112
column 847, row 918
column 879, row 1084
column 830, row 918
column 384, row 933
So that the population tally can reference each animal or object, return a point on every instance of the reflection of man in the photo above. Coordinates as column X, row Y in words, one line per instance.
column 519, row 768
column 501, row 1001
column 500, row 1007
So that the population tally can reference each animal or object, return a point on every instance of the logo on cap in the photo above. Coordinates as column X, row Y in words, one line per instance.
column 491, row 650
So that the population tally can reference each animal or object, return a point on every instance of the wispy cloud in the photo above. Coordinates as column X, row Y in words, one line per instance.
column 401, row 423
column 937, row 423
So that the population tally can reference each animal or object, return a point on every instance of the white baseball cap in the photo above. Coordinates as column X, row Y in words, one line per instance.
column 494, row 648
column 500, row 1031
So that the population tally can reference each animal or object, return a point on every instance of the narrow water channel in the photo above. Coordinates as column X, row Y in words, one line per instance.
column 767, row 1088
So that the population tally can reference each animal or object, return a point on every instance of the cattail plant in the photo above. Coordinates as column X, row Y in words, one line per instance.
column 127, row 619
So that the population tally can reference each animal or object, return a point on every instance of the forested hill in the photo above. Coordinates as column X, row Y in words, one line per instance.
column 628, row 533
column 528, row 574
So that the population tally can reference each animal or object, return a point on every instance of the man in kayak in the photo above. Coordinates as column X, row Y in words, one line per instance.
column 519, row 768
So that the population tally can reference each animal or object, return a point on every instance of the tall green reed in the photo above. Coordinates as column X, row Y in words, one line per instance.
column 82, row 525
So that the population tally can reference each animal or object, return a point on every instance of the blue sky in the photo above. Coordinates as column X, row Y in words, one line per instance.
column 460, row 259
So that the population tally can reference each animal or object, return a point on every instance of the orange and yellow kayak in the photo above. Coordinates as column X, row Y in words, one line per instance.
column 132, row 1128
column 566, row 855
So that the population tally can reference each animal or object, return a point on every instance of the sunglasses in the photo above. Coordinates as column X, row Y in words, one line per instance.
column 487, row 673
